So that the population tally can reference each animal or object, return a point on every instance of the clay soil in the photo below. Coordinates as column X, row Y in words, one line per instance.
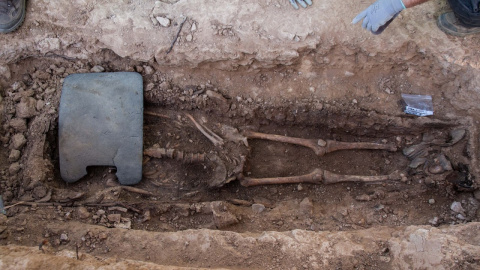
column 331, row 88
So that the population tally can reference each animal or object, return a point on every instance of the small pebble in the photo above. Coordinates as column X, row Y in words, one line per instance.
column 437, row 169
column 64, row 237
column 97, row 69
column 165, row 22
column 457, row 207
column 431, row 201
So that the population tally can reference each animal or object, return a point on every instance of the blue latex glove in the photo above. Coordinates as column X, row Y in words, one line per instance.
column 378, row 14
column 303, row 3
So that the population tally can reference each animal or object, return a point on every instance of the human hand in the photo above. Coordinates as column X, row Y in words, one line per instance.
column 378, row 14
column 303, row 3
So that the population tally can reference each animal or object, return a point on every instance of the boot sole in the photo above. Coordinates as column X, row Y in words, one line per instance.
column 15, row 26
column 454, row 33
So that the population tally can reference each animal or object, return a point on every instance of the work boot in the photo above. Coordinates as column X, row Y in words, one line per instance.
column 448, row 23
column 12, row 14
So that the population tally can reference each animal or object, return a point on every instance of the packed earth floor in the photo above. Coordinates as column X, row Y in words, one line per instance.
column 233, row 69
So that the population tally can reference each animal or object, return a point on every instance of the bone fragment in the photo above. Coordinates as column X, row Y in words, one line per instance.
column 137, row 190
column 214, row 138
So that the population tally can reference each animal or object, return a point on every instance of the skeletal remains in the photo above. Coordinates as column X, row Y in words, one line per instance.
column 229, row 169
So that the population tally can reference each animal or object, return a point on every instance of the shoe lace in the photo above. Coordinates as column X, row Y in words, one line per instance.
column 5, row 6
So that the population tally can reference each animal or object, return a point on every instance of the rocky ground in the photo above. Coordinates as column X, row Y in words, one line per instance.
column 235, row 67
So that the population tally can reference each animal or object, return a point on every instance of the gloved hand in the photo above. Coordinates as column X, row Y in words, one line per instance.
column 379, row 13
column 303, row 3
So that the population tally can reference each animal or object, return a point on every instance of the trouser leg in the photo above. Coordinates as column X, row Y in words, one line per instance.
column 466, row 11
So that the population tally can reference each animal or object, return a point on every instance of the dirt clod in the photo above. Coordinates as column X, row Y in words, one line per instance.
column 26, row 108
column 83, row 213
column 114, row 218
column 18, row 141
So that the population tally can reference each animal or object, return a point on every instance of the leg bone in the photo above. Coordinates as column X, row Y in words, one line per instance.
column 318, row 176
column 320, row 147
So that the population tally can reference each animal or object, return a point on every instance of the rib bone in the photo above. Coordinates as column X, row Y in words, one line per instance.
column 320, row 147
column 214, row 138
column 318, row 176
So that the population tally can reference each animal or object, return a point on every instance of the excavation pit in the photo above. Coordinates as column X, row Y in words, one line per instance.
column 176, row 191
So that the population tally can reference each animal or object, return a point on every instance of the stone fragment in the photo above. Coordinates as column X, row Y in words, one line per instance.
column 457, row 207
column 148, row 70
column 349, row 74
column 114, row 218
column 14, row 155
column 14, row 168
column 102, row 236
column 194, row 27
column 149, row 87
column 125, row 224
column 5, row 71
column 222, row 217
column 189, row 37
column 431, row 201
column 97, row 69
column 436, row 169
column 83, row 213
column 240, row 202
column 40, row 192
column 258, row 208
column 18, row 141
column 146, row 216
column 433, row 221
column 48, row 44
column 100, row 124
column 17, row 85
column 64, row 237
column 139, row 69
column 26, row 108
column 165, row 22
column 164, row 86
column 306, row 206
column 40, row 105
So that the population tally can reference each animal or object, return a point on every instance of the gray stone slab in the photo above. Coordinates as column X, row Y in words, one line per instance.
column 101, row 124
